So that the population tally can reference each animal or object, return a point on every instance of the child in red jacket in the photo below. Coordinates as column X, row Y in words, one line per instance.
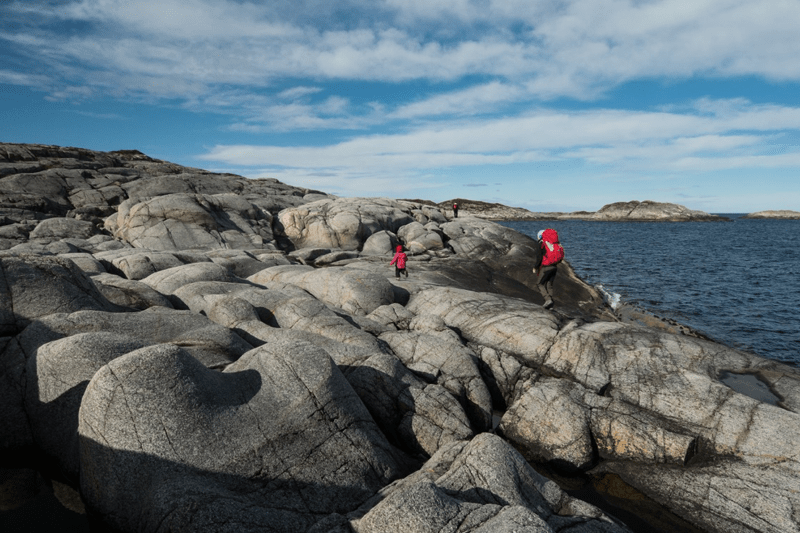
column 399, row 262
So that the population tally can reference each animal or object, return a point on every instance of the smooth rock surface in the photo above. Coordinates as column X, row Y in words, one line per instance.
column 296, row 385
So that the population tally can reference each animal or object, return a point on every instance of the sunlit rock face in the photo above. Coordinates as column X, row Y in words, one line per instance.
column 190, row 350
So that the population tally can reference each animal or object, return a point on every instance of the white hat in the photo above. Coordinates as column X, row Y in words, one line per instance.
column 539, row 235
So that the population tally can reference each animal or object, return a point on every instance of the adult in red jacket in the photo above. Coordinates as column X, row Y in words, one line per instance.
column 552, row 254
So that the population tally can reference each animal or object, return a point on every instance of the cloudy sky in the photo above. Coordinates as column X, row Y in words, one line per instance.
column 549, row 105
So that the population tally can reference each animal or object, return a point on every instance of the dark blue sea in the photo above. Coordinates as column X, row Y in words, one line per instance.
column 737, row 282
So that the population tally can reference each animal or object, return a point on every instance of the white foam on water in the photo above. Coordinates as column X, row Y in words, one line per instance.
column 611, row 298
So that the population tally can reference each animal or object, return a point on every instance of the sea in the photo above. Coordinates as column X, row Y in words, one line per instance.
column 737, row 281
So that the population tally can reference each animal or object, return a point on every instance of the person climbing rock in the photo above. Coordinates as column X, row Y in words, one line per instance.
column 455, row 210
column 552, row 255
column 399, row 262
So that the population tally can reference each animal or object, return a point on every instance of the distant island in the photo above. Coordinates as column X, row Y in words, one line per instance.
column 783, row 214
column 633, row 211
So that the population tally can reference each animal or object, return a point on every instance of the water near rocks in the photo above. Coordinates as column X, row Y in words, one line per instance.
column 737, row 282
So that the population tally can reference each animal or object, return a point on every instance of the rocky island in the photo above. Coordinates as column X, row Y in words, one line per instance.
column 634, row 211
column 780, row 214
column 191, row 351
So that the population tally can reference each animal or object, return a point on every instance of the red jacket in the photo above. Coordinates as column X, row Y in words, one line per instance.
column 400, row 259
column 552, row 251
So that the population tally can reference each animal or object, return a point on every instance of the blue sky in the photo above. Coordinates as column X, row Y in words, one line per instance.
column 552, row 106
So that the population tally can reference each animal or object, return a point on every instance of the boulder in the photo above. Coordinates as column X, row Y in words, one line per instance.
column 54, row 229
column 169, row 280
column 240, row 262
column 418, row 417
column 129, row 293
column 393, row 315
column 522, row 329
column 214, row 345
column 504, row 375
column 448, row 363
column 280, row 434
column 343, row 223
column 548, row 426
column 86, row 262
column 380, row 243
column 33, row 286
column 57, row 376
column 418, row 238
column 354, row 290
column 284, row 307
column 727, row 495
column 480, row 486
column 137, row 266
column 185, row 221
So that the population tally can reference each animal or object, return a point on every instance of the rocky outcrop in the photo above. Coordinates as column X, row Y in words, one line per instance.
column 780, row 214
column 650, row 212
column 185, row 350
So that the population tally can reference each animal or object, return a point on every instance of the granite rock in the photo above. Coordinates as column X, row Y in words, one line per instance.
column 327, row 396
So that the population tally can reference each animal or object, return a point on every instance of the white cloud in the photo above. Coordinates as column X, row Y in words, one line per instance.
column 23, row 78
column 652, row 141
column 298, row 92
column 474, row 100
column 574, row 48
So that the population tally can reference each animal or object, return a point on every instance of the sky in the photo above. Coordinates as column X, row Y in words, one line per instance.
column 561, row 105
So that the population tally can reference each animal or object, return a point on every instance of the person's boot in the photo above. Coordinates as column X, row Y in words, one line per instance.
column 548, row 304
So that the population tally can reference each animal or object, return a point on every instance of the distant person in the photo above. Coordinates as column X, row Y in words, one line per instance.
column 552, row 255
column 455, row 210
column 399, row 262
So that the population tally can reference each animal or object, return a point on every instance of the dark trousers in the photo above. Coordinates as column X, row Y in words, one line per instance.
column 547, row 275
column 398, row 270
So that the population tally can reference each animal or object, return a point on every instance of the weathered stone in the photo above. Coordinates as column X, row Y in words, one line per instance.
column 33, row 286
column 279, row 307
column 548, row 425
column 525, row 330
column 334, row 257
column 621, row 431
column 354, row 290
column 341, row 223
column 503, row 374
column 86, row 262
column 57, row 376
column 183, row 221
column 169, row 280
column 725, row 496
column 15, row 431
column 393, row 315
column 418, row 417
column 694, row 427
column 214, row 345
column 307, row 256
column 129, row 293
column 281, row 433
column 419, row 239
column 477, row 487
column 380, row 243
column 450, row 364
column 53, row 229
column 137, row 266
column 240, row 262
